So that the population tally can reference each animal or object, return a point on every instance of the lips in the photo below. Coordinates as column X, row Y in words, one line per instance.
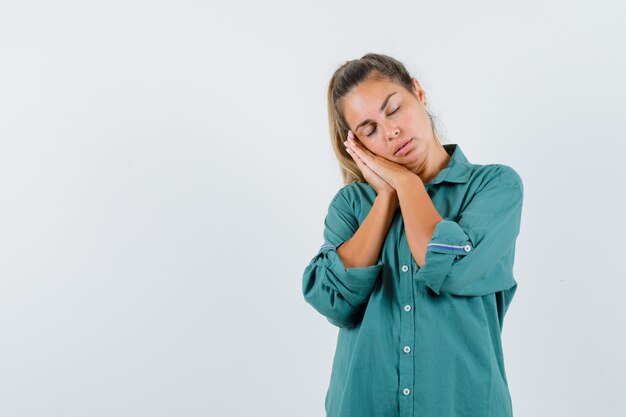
column 401, row 146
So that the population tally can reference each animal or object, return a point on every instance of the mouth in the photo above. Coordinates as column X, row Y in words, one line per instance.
column 402, row 147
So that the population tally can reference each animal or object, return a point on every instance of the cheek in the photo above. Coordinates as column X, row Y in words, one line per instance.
column 409, row 119
column 413, row 118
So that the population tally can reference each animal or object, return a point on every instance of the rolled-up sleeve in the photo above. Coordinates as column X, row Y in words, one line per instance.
column 332, row 289
column 474, row 255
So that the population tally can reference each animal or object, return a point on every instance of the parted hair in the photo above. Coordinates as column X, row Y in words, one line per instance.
column 344, row 79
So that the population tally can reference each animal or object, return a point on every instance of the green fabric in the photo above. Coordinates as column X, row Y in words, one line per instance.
column 423, row 342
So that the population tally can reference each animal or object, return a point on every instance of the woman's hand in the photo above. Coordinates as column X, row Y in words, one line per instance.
column 378, row 184
column 375, row 166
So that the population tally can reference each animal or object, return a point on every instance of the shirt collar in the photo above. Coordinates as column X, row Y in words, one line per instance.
column 458, row 169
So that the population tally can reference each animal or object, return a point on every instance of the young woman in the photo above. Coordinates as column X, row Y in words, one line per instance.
column 416, row 265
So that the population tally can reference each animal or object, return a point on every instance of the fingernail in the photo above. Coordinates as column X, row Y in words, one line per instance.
column 350, row 134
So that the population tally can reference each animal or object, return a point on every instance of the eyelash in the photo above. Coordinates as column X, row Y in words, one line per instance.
column 372, row 132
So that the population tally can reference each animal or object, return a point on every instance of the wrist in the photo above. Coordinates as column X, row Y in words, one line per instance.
column 410, row 180
column 387, row 194
column 388, row 198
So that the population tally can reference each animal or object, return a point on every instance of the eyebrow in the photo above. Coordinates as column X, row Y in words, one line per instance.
column 364, row 122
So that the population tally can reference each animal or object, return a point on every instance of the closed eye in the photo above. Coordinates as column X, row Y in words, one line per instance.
column 374, row 130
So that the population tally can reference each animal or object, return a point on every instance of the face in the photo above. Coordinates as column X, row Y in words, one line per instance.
column 384, row 116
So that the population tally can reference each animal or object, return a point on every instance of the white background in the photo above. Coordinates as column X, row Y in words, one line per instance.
column 165, row 169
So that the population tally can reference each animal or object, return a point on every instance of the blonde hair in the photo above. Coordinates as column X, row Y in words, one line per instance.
column 345, row 78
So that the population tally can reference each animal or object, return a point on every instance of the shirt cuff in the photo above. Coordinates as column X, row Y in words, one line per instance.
column 354, row 284
column 448, row 242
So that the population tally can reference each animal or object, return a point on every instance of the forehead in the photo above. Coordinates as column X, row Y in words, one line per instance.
column 364, row 100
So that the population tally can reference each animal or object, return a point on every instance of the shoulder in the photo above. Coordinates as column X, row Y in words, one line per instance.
column 355, row 191
column 354, row 196
column 497, row 175
column 509, row 176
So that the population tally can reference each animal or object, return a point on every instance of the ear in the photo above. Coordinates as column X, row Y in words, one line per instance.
column 418, row 91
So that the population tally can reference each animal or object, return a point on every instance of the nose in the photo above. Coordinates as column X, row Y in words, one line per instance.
column 391, row 131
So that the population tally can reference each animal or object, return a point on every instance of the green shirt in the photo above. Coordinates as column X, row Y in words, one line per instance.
column 423, row 342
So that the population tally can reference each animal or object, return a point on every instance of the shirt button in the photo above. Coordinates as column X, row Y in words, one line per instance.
column 406, row 391
column 407, row 349
column 407, row 308
column 467, row 248
column 405, row 268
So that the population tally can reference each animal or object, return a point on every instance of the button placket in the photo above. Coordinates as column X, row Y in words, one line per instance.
column 407, row 336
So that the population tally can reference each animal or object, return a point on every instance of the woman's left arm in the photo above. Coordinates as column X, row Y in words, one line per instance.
column 474, row 255
column 419, row 214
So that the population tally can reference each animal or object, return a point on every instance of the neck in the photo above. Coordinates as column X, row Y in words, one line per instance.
column 435, row 162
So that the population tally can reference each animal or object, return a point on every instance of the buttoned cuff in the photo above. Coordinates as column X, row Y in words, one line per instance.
column 448, row 243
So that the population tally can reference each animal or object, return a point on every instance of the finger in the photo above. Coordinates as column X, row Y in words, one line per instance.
column 354, row 156
column 359, row 147
column 356, row 141
column 366, row 171
column 364, row 155
column 360, row 164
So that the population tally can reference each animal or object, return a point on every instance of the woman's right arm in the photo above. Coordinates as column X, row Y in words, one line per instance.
column 340, row 278
column 363, row 249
